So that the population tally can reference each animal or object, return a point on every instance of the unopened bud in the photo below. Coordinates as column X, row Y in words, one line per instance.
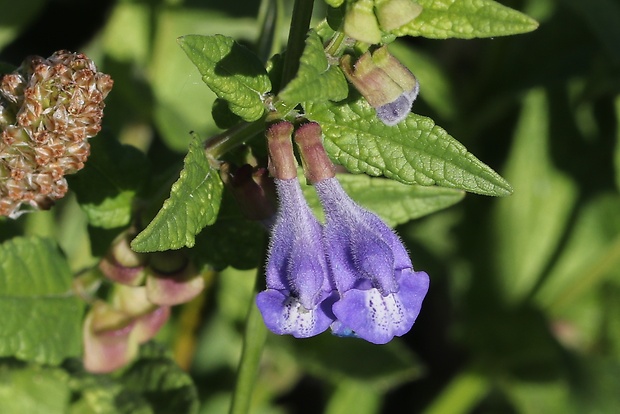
column 253, row 190
column 384, row 82
column 393, row 14
column 360, row 22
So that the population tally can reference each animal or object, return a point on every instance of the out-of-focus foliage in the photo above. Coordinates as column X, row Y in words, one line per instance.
column 522, row 312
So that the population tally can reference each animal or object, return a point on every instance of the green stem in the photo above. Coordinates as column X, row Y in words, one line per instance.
column 336, row 45
column 220, row 144
column 253, row 342
column 270, row 18
column 300, row 24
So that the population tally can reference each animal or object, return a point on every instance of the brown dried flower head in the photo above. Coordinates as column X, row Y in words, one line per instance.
column 49, row 108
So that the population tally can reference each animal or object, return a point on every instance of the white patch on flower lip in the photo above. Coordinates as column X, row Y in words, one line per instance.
column 285, row 315
column 297, row 319
column 373, row 316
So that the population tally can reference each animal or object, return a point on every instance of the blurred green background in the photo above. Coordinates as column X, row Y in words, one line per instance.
column 523, row 314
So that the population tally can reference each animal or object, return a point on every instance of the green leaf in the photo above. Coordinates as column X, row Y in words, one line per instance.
column 466, row 19
column 231, row 71
column 551, row 396
column 33, row 389
column 599, row 385
column 316, row 79
column 415, row 151
column 162, row 383
column 41, row 317
column 617, row 146
column 107, row 185
column 339, row 359
column 394, row 202
column 334, row 3
column 461, row 395
column 127, row 32
column 530, row 224
column 363, row 397
column 101, row 394
column 193, row 204
column 232, row 241
column 153, row 384
column 591, row 255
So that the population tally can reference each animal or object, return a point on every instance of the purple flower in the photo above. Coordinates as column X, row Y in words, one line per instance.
column 380, row 293
column 298, row 297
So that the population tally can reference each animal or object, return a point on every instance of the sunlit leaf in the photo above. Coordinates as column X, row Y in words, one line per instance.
column 193, row 204
column 41, row 316
column 231, row 71
column 316, row 79
column 416, row 151
column 33, row 389
column 466, row 19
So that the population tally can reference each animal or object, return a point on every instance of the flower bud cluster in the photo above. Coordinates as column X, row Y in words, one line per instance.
column 49, row 108
column 351, row 274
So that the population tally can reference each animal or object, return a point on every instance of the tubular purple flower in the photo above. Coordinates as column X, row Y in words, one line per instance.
column 298, row 297
column 380, row 293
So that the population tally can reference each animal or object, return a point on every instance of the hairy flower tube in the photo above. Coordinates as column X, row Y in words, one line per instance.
column 298, row 297
column 384, row 82
column 49, row 108
column 380, row 295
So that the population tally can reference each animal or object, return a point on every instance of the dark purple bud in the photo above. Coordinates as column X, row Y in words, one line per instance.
column 253, row 189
